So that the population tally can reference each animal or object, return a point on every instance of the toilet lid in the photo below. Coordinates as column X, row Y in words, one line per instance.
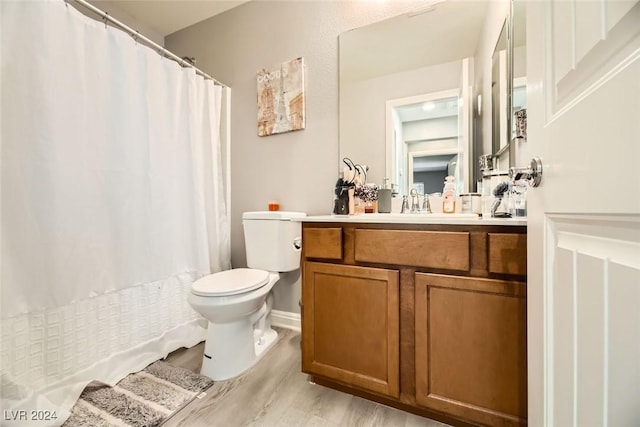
column 230, row 282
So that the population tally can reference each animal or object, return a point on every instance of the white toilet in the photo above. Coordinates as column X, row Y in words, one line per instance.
column 237, row 303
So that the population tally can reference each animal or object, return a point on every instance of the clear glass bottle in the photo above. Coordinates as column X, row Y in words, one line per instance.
column 449, row 195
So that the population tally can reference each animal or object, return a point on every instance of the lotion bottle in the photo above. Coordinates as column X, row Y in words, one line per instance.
column 449, row 196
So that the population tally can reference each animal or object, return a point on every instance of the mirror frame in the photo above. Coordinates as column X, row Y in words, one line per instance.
column 500, row 92
column 504, row 123
column 516, row 20
column 510, row 46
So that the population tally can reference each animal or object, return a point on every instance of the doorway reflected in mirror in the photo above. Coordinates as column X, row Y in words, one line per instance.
column 425, row 146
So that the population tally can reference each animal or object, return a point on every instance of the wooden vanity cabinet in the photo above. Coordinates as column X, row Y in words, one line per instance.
column 430, row 319
column 352, row 325
column 470, row 348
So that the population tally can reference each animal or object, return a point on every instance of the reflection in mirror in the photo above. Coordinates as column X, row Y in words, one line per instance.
column 409, row 56
column 519, row 94
column 499, row 93
column 425, row 146
column 428, row 171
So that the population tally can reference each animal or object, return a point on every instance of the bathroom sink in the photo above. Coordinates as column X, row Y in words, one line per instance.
column 398, row 218
column 426, row 217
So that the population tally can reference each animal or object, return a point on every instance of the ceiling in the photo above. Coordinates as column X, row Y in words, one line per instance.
column 428, row 110
column 168, row 16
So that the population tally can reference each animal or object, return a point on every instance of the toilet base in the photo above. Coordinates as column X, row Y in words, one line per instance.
column 241, row 347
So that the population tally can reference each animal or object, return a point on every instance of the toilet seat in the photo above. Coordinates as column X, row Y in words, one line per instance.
column 230, row 282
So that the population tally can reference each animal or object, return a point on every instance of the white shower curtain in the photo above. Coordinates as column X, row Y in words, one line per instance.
column 111, row 204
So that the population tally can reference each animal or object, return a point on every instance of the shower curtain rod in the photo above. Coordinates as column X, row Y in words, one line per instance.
column 137, row 36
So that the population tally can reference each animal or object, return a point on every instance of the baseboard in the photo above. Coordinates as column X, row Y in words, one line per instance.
column 285, row 319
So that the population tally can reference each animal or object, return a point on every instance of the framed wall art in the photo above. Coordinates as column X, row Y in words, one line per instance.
column 281, row 103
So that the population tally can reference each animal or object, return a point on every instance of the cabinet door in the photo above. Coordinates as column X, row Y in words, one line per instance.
column 350, row 325
column 471, row 348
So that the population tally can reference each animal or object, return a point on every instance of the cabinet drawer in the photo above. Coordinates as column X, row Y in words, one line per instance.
column 508, row 253
column 434, row 249
column 322, row 243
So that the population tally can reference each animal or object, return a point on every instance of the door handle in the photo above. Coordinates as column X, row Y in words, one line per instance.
column 532, row 173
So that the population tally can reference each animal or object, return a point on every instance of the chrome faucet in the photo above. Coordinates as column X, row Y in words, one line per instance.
column 414, row 200
column 426, row 206
column 405, row 205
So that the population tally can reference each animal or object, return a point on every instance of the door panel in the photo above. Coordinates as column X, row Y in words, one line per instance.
column 594, row 297
column 583, row 69
column 351, row 328
column 589, row 39
column 470, row 336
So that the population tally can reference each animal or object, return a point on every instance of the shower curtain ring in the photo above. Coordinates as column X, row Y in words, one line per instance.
column 105, row 18
column 135, row 36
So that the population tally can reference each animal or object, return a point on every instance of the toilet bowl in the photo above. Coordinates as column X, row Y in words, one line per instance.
column 237, row 303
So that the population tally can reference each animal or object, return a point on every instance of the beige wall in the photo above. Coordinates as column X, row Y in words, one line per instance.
column 299, row 168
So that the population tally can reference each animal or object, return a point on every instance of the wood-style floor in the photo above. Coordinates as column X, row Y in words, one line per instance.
column 276, row 393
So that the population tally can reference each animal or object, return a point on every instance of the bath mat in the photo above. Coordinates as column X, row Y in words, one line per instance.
column 146, row 398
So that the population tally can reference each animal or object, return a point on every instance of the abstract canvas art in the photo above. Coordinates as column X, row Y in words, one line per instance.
column 281, row 101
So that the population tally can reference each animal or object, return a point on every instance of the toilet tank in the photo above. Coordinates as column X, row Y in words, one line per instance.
column 272, row 240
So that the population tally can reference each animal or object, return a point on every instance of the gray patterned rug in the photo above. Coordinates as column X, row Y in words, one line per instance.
column 146, row 398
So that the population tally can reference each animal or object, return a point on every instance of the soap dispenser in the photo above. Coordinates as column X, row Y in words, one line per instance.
column 449, row 195
column 384, row 198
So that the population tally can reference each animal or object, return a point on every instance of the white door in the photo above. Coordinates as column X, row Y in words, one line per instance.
column 583, row 70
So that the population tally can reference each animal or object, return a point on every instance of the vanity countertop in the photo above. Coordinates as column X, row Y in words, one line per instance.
column 451, row 219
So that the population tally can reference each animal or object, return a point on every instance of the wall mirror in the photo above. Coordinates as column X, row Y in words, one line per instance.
column 400, row 84
column 509, row 81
